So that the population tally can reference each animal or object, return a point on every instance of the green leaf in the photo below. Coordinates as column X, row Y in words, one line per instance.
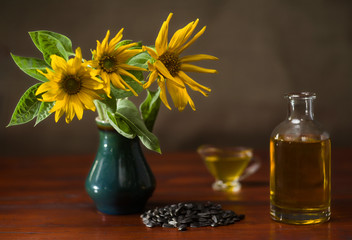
column 129, row 113
column 50, row 43
column 30, row 66
column 121, row 126
column 150, row 108
column 43, row 112
column 104, row 105
column 123, row 42
column 140, row 60
column 27, row 108
column 65, row 41
column 138, row 46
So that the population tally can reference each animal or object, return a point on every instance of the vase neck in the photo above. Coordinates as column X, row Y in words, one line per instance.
column 103, row 125
column 110, row 138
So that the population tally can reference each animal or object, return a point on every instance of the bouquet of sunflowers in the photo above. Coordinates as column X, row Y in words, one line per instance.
column 69, row 84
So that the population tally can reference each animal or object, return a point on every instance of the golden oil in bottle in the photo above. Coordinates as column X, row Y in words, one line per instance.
column 300, row 181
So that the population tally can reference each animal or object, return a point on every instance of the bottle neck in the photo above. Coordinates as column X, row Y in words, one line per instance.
column 300, row 107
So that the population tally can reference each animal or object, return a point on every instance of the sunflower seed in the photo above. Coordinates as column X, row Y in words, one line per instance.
column 182, row 227
column 183, row 215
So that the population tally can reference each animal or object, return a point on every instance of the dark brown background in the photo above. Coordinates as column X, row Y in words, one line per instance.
column 266, row 48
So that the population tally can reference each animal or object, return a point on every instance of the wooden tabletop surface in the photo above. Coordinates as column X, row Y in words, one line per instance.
column 44, row 198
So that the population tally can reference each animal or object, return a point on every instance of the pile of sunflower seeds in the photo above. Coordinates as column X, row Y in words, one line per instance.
column 184, row 215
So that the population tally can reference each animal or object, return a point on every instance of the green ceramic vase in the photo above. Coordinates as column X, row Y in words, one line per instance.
column 120, row 180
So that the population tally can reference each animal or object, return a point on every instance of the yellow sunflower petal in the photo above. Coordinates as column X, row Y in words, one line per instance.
column 97, row 53
column 120, row 49
column 97, row 84
column 58, row 105
column 59, row 114
column 77, row 61
column 104, row 44
column 107, row 89
column 152, row 77
column 77, row 106
column 192, row 68
column 126, row 85
column 151, row 52
column 191, row 30
column 52, row 96
column 60, row 94
column 94, row 52
column 162, row 39
column 92, row 63
column 91, row 93
column 116, row 81
column 178, row 82
column 69, row 118
column 92, row 84
column 116, row 39
column 105, row 77
column 43, row 88
column 197, row 57
column 181, row 49
column 122, row 71
column 151, row 66
column 94, row 73
column 70, row 112
column 179, row 95
column 58, row 63
column 87, row 100
column 163, row 97
column 179, row 36
column 162, row 69
column 191, row 103
column 193, row 84
column 51, row 75
column 43, row 73
column 130, row 67
column 127, row 54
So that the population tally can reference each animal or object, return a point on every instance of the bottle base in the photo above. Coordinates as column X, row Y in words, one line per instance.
column 299, row 217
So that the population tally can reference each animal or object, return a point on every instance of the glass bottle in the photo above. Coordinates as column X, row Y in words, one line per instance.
column 300, row 162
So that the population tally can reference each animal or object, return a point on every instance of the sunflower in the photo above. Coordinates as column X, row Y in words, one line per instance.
column 72, row 86
column 168, row 68
column 110, row 62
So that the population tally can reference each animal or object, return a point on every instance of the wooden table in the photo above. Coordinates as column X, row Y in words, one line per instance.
column 44, row 198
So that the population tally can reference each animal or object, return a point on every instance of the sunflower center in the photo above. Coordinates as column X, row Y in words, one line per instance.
column 108, row 64
column 171, row 62
column 71, row 84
